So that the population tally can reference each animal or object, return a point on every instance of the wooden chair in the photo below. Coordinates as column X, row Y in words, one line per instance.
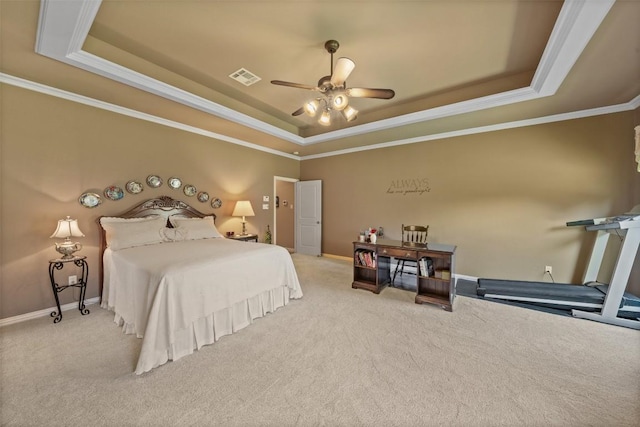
column 412, row 236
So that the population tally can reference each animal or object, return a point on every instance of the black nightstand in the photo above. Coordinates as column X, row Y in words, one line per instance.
column 58, row 264
column 245, row 238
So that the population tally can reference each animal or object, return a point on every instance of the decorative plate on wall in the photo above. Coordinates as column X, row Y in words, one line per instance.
column 216, row 203
column 189, row 190
column 174, row 182
column 113, row 193
column 203, row 196
column 154, row 181
column 134, row 187
column 90, row 200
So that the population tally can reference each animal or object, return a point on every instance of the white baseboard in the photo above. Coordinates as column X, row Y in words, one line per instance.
column 340, row 257
column 45, row 312
column 74, row 305
column 465, row 277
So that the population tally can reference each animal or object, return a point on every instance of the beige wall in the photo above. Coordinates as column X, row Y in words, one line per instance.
column 285, row 214
column 54, row 150
column 502, row 197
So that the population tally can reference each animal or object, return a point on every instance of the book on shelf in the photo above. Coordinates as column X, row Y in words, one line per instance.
column 365, row 258
column 371, row 259
column 426, row 267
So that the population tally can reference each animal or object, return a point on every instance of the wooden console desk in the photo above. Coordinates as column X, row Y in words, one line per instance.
column 372, row 269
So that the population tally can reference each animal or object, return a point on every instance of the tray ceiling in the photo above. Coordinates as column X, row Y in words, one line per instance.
column 460, row 59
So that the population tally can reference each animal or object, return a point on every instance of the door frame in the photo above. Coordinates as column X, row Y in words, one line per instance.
column 277, row 178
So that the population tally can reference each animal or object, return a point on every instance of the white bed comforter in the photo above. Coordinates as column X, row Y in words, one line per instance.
column 180, row 296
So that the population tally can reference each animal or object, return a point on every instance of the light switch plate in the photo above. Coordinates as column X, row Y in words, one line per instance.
column 265, row 198
column 265, row 206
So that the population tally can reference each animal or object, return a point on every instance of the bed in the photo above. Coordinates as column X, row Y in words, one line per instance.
column 174, row 281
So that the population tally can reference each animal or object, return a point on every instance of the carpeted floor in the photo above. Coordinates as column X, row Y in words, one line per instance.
column 337, row 357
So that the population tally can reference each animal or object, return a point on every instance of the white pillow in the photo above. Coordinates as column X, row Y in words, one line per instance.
column 174, row 234
column 173, row 219
column 196, row 228
column 128, row 234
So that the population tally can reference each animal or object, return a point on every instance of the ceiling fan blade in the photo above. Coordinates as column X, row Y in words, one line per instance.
column 344, row 67
column 361, row 92
column 298, row 112
column 297, row 85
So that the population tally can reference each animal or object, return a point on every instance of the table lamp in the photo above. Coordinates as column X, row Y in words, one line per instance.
column 243, row 208
column 67, row 228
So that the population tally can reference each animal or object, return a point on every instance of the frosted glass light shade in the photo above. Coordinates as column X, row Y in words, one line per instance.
column 339, row 101
column 311, row 107
column 350, row 113
column 325, row 118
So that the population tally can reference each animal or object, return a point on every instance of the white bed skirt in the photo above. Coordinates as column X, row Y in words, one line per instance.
column 206, row 330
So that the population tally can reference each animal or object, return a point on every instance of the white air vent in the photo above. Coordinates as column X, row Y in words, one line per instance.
column 245, row 77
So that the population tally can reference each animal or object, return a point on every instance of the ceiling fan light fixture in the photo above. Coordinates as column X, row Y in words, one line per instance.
column 339, row 101
column 325, row 118
column 350, row 113
column 334, row 94
column 311, row 107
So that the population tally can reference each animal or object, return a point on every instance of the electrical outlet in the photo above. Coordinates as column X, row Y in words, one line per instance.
column 548, row 269
column 73, row 280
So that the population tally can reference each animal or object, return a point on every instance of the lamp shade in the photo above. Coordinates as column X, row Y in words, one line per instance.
column 243, row 208
column 67, row 228
column 339, row 102
column 350, row 113
column 325, row 118
column 311, row 107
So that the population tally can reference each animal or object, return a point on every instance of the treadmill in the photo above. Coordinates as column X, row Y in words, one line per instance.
column 594, row 301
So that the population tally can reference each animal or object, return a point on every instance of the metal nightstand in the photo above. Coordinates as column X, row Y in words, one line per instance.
column 58, row 264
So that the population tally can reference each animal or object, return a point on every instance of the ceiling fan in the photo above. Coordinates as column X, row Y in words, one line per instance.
column 334, row 94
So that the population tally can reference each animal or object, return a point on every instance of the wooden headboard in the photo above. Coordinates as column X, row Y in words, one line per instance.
column 164, row 206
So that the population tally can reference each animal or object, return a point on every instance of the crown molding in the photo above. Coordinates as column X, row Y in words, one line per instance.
column 58, row 93
column 100, row 66
column 70, row 96
column 63, row 26
column 576, row 24
column 627, row 106
column 477, row 104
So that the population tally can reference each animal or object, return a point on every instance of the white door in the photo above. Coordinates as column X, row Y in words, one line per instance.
column 309, row 217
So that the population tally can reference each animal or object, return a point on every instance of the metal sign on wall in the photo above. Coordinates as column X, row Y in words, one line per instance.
column 409, row 186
